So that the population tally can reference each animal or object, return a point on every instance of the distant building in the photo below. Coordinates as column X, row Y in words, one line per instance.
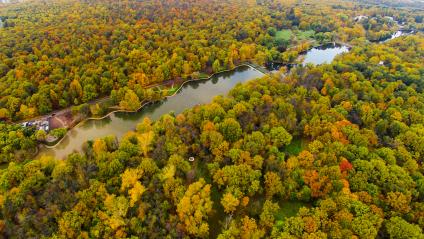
column 390, row 18
column 360, row 18
column 38, row 124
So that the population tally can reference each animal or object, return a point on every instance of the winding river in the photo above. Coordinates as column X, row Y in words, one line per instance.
column 118, row 123
column 191, row 94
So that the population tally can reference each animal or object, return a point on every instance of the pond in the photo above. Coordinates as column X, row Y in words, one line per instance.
column 191, row 94
column 317, row 55
column 324, row 54
column 396, row 35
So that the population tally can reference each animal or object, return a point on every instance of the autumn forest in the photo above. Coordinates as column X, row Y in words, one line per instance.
column 331, row 150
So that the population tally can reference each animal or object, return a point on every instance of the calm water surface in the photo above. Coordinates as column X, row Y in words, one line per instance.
column 397, row 34
column 191, row 94
column 324, row 54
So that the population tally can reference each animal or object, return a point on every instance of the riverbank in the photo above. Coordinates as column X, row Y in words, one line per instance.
column 256, row 67
column 63, row 118
column 148, row 102
column 116, row 122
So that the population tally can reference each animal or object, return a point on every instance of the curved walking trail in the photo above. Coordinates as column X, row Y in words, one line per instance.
column 196, row 91
column 189, row 94
column 149, row 102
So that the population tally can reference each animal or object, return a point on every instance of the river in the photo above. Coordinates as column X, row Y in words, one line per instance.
column 191, row 94
column 118, row 123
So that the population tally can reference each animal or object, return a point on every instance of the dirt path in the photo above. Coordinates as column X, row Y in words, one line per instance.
column 57, row 114
column 57, row 122
column 65, row 113
column 61, row 111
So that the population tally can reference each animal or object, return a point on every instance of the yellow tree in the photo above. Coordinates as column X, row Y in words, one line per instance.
column 145, row 126
column 99, row 146
column 75, row 89
column 130, row 180
column 250, row 229
column 130, row 101
column 4, row 114
column 229, row 202
column 144, row 141
column 273, row 184
column 194, row 207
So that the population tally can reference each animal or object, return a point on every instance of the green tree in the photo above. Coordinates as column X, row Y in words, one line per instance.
column 216, row 66
column 400, row 229
column 230, row 129
column 269, row 209
column 280, row 137
column 40, row 135
column 130, row 102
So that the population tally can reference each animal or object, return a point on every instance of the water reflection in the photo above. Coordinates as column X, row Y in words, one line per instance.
column 324, row 54
column 191, row 94
column 317, row 55
column 397, row 34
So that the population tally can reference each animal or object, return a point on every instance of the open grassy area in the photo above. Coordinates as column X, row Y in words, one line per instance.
column 172, row 90
column 289, row 209
column 300, row 35
column 296, row 146
column 284, row 34
column 218, row 216
column 305, row 35
column 203, row 75
column 293, row 36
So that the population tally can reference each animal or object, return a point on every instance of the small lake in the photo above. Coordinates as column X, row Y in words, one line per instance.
column 397, row 34
column 119, row 123
column 324, row 54
column 316, row 55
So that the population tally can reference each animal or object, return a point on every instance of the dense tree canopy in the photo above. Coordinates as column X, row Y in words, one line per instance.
column 59, row 53
column 327, row 151
column 330, row 151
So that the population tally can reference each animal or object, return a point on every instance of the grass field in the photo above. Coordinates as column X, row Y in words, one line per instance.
column 218, row 216
column 296, row 146
column 284, row 34
column 289, row 209
column 172, row 90
column 305, row 35
column 300, row 35
column 203, row 75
